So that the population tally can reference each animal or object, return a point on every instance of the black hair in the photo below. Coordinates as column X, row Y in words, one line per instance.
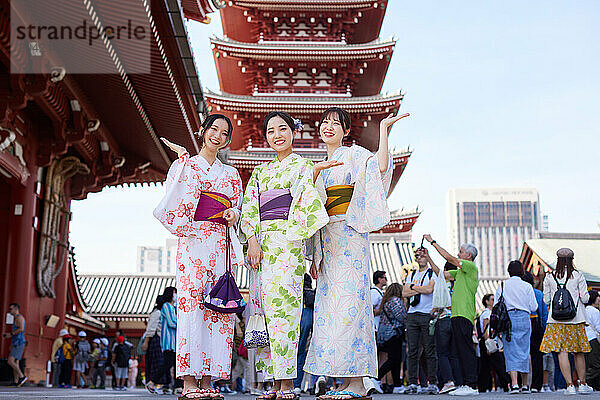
column 593, row 296
column 342, row 115
column 377, row 275
column 486, row 298
column 208, row 122
column 287, row 118
column 16, row 305
column 168, row 293
column 449, row 266
column 158, row 303
column 515, row 268
column 564, row 265
column 527, row 277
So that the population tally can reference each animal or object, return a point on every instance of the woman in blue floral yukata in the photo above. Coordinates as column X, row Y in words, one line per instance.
column 343, row 341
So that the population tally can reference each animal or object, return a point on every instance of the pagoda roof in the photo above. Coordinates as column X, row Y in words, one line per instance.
column 302, row 51
column 401, row 221
column 198, row 10
column 356, row 104
column 251, row 157
column 334, row 5
column 361, row 20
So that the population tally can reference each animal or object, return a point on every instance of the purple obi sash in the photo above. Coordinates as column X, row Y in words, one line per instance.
column 275, row 204
column 211, row 206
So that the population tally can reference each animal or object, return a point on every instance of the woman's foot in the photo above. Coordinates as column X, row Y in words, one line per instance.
column 286, row 395
column 268, row 395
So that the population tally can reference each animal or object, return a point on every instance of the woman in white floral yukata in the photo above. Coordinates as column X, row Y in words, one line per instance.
column 343, row 341
column 201, row 205
column 281, row 209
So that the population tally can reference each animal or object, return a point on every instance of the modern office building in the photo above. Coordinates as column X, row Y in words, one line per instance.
column 496, row 220
column 157, row 259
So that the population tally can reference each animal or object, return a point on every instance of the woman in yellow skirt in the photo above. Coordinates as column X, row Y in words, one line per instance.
column 567, row 336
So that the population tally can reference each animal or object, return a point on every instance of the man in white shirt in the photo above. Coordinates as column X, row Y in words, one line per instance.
column 520, row 302
column 419, row 290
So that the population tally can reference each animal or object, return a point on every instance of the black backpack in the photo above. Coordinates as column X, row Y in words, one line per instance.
column 499, row 319
column 123, row 352
column 563, row 306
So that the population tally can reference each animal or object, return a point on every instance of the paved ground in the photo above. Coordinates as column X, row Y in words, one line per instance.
column 32, row 393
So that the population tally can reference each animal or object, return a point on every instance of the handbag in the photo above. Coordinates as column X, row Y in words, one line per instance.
column 256, row 334
column 224, row 297
column 491, row 345
column 243, row 350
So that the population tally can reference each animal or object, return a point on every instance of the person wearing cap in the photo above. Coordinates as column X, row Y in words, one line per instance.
column 93, row 361
column 564, row 337
column 120, row 358
column 82, row 353
column 56, row 364
column 100, row 371
column 66, row 368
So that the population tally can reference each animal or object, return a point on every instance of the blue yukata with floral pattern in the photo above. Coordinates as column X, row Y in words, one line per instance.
column 343, row 341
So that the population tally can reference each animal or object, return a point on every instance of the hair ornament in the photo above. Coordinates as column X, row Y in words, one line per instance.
column 298, row 125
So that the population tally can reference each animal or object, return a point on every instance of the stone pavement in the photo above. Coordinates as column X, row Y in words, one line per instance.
column 33, row 393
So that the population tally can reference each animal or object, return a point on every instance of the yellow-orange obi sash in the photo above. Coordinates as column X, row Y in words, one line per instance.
column 338, row 199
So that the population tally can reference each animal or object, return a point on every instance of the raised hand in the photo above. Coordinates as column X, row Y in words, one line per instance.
column 390, row 120
column 175, row 147
column 320, row 166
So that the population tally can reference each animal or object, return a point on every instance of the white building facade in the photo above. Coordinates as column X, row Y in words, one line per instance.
column 496, row 220
column 157, row 259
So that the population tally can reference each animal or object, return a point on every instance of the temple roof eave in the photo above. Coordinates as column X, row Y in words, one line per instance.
column 304, row 4
column 310, row 102
column 278, row 49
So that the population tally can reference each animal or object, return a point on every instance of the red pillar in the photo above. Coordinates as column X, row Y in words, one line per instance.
column 20, row 285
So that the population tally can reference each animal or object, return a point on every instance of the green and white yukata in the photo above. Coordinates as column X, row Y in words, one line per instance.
column 282, row 269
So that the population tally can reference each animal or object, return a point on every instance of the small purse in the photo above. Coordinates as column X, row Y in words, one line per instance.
column 256, row 334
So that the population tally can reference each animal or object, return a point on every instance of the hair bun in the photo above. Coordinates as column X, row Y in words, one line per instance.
column 298, row 125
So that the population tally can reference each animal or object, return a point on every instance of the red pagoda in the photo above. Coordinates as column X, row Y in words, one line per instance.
column 304, row 56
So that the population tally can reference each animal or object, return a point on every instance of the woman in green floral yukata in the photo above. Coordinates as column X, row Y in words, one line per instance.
column 281, row 209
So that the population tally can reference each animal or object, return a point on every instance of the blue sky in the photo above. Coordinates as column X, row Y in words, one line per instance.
column 501, row 94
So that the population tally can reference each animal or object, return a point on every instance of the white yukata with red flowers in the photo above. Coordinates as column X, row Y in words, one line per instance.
column 204, row 337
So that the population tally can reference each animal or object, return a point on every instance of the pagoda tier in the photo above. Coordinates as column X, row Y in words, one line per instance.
column 346, row 21
column 401, row 221
column 329, row 69
column 246, row 160
column 247, row 113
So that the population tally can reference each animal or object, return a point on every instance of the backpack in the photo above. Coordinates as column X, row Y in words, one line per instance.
column 499, row 319
column 60, row 355
column 563, row 306
column 83, row 353
column 123, row 353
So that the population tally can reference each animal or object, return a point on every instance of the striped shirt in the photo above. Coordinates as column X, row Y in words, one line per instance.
column 168, row 333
